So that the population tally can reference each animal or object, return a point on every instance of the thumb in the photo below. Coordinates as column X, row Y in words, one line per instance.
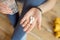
column 39, row 22
column 39, row 25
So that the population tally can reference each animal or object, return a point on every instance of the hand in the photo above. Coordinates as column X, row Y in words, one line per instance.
column 25, row 22
column 5, row 9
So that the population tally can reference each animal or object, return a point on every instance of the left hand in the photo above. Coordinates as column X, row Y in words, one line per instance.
column 26, row 19
column 5, row 9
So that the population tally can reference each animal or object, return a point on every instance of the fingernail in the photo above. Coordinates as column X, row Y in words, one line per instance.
column 22, row 25
column 24, row 29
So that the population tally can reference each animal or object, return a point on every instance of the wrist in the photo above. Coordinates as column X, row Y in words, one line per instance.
column 36, row 11
column 37, row 8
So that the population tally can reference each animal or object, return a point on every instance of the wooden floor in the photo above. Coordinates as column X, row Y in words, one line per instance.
column 47, row 25
column 46, row 33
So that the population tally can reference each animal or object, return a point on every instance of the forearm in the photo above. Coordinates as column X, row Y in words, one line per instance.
column 47, row 6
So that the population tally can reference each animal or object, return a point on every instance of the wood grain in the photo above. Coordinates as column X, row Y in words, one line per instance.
column 6, row 29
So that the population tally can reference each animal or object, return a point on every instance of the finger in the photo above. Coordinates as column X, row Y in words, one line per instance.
column 25, row 23
column 5, row 9
column 22, row 20
column 31, row 27
column 26, row 27
column 9, row 10
column 38, row 25
column 27, row 15
column 39, row 22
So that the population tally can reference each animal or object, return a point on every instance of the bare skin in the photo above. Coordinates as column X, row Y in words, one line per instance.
column 37, row 15
column 32, row 12
column 26, row 22
column 5, row 9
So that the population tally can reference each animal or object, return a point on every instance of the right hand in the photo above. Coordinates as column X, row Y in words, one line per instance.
column 5, row 9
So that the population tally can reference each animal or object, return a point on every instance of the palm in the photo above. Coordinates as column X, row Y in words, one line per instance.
column 26, row 21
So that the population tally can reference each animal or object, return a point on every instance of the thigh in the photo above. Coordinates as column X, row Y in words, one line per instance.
column 34, row 2
column 31, row 3
column 13, row 18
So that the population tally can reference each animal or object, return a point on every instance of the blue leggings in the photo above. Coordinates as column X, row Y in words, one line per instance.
column 19, row 34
